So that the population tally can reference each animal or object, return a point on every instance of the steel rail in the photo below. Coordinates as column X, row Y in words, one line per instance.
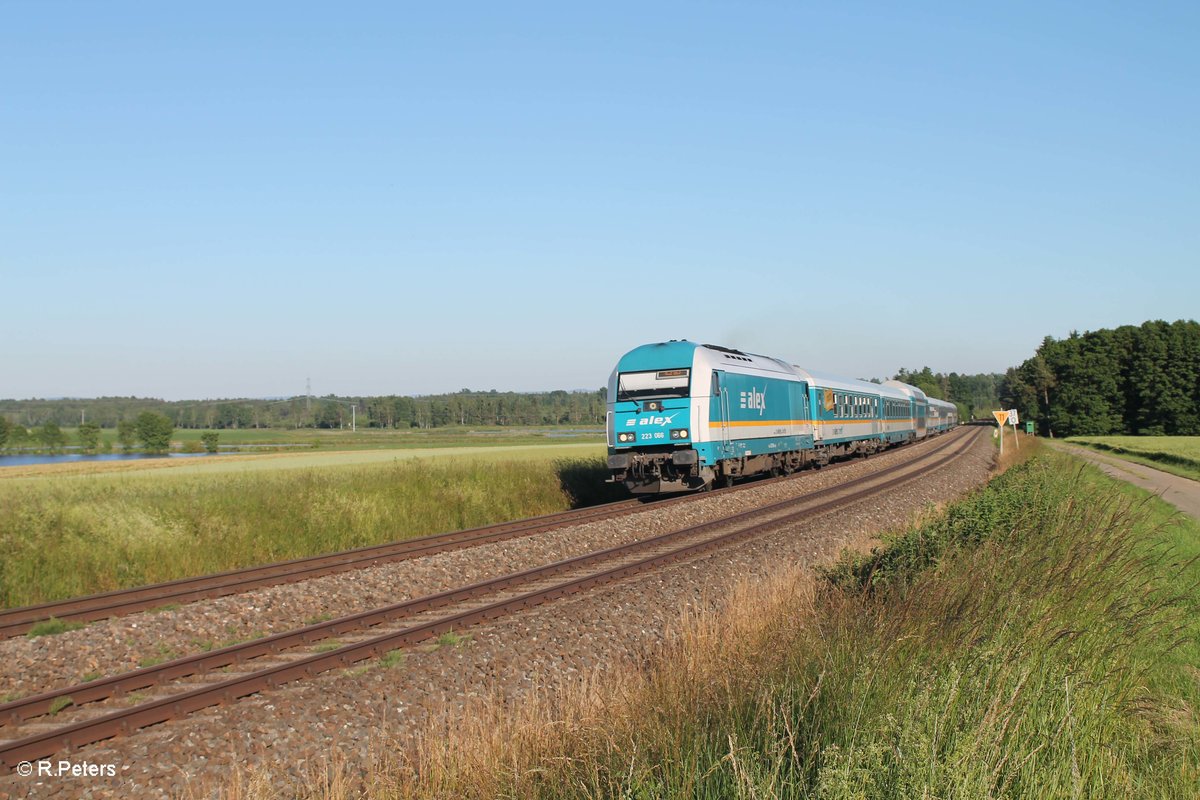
column 171, row 707
column 121, row 602
column 37, row 705
column 127, row 601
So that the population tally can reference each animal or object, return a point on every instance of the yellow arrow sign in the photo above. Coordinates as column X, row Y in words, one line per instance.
column 1001, row 417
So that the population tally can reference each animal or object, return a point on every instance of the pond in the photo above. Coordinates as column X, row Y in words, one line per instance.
column 27, row 459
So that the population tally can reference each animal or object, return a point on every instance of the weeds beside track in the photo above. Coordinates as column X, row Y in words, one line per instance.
column 1037, row 640
column 647, row 554
column 68, row 537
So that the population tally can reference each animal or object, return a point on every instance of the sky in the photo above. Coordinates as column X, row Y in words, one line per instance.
column 228, row 199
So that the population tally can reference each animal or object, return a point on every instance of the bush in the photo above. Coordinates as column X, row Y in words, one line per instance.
column 154, row 431
column 89, row 436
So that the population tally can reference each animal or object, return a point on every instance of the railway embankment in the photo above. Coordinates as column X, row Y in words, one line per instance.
column 1037, row 639
column 384, row 704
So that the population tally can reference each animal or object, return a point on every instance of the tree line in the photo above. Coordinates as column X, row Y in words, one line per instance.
column 150, row 432
column 1136, row 380
column 466, row 407
column 973, row 393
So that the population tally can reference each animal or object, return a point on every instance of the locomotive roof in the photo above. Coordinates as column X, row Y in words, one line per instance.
column 680, row 353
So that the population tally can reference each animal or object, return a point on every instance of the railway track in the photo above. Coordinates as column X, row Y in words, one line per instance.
column 191, row 683
column 90, row 608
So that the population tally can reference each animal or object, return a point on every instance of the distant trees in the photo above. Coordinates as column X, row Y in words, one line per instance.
column 232, row 415
column 974, row 395
column 51, row 437
column 126, row 434
column 209, row 440
column 465, row 407
column 154, row 431
column 18, row 436
column 5, row 427
column 1141, row 380
column 89, row 437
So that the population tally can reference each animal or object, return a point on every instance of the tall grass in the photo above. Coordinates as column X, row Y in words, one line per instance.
column 72, row 536
column 1038, row 640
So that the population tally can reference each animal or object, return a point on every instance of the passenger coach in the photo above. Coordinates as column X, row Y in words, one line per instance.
column 685, row 416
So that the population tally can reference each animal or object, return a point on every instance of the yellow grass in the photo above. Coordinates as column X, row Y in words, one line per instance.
column 209, row 465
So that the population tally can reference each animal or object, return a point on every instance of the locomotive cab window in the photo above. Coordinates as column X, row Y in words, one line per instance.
column 653, row 384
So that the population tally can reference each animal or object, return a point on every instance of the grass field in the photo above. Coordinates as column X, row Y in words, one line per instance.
column 67, row 535
column 1179, row 455
column 1037, row 640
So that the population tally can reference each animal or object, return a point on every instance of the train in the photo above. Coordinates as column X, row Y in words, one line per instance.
column 685, row 417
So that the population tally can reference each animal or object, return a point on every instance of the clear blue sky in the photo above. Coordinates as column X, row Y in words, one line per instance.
column 222, row 199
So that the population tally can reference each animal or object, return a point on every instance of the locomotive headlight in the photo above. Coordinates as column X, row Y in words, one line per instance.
column 652, row 405
column 626, row 437
column 679, row 433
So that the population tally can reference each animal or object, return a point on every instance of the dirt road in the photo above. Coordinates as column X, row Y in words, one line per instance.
column 1182, row 493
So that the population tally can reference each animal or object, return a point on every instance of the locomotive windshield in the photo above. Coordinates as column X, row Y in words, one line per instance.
column 653, row 384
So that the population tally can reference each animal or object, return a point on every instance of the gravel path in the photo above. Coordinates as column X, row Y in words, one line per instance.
column 1183, row 493
column 299, row 724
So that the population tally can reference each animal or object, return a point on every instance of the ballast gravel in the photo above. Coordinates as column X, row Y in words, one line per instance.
column 296, row 726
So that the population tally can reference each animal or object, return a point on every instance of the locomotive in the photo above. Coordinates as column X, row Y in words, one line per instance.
column 684, row 417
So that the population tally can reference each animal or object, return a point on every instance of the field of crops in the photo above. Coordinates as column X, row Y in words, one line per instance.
column 1177, row 454
column 297, row 459
column 64, row 535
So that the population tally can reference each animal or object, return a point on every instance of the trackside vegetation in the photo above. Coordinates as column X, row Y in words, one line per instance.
column 1039, row 639
column 63, row 537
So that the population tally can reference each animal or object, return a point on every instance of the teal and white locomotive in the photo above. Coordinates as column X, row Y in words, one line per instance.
column 684, row 416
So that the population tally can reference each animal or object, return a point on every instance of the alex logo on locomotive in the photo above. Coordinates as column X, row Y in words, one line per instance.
column 754, row 400
column 629, row 423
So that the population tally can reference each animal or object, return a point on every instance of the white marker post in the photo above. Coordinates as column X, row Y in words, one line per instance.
column 1001, row 418
column 1013, row 419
